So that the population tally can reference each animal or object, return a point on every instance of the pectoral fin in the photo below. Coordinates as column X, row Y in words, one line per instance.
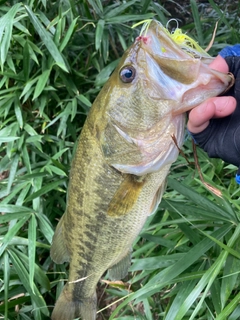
column 59, row 252
column 126, row 196
column 120, row 269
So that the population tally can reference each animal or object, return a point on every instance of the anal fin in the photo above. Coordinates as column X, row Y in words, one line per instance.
column 59, row 252
column 120, row 269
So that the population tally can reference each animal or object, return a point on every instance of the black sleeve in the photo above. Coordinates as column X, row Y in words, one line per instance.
column 221, row 139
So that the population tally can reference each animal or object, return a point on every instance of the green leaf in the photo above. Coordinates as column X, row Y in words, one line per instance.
column 32, row 249
column 28, row 86
column 6, row 23
column 11, row 233
column 6, row 283
column 84, row 100
column 50, row 186
column 103, row 76
column 41, row 83
column 39, row 274
column 26, row 60
column 197, row 21
column 47, row 40
column 130, row 17
column 99, row 33
column 230, row 275
column 97, row 6
column 45, row 227
column 68, row 34
column 20, row 241
column 23, row 275
column 13, row 170
column 7, row 139
column 18, row 112
column 183, row 292
column 168, row 274
column 200, row 200
column 56, row 170
column 15, row 210
column 153, row 263
column 119, row 9
column 147, row 309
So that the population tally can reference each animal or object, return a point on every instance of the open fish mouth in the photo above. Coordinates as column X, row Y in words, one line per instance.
column 180, row 66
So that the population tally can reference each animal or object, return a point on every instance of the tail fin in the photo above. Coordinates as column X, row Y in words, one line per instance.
column 69, row 308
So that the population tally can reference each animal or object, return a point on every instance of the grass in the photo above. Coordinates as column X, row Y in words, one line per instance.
column 54, row 58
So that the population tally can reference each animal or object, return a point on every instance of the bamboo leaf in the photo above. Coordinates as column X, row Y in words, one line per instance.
column 32, row 249
column 99, row 33
column 41, row 83
column 169, row 273
column 197, row 21
column 68, row 35
column 6, row 23
column 39, row 274
column 23, row 275
column 84, row 100
column 119, row 9
column 8, row 139
column 13, row 170
column 47, row 40
column 200, row 200
column 126, row 17
column 50, row 186
column 18, row 112
column 97, row 6
column 11, row 233
column 45, row 227
column 6, row 283
column 230, row 275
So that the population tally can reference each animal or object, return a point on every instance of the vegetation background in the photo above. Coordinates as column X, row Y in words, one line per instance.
column 54, row 58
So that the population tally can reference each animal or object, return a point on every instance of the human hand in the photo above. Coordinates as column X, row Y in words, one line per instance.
column 215, row 124
column 217, row 107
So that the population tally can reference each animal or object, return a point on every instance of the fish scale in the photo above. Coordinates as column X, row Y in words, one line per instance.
column 122, row 159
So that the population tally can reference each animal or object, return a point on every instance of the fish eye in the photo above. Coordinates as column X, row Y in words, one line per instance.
column 127, row 74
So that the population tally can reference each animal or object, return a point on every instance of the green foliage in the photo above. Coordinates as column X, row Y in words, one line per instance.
column 54, row 58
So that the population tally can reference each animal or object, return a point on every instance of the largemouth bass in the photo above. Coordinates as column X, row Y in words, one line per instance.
column 123, row 157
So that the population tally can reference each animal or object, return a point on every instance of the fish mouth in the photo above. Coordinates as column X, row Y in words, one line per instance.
column 178, row 74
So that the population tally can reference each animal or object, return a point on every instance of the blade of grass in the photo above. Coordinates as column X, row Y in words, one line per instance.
column 32, row 249
column 6, row 283
column 13, row 170
column 99, row 33
column 41, row 83
column 39, row 274
column 47, row 40
column 11, row 233
column 23, row 275
column 168, row 274
column 197, row 21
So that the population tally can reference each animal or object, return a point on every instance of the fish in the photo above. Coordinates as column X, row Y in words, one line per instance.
column 123, row 157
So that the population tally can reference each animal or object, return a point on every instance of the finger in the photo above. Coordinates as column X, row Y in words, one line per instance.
column 217, row 107
column 219, row 64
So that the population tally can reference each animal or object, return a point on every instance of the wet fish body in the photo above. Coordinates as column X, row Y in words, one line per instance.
column 123, row 157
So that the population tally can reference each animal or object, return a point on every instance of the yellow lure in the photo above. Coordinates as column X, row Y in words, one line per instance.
column 183, row 40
